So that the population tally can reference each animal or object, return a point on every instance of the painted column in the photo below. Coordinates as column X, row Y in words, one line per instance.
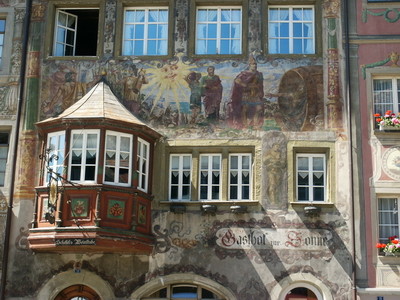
column 28, row 150
column 334, row 105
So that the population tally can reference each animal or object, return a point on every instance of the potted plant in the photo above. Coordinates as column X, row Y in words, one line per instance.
column 389, row 121
column 392, row 248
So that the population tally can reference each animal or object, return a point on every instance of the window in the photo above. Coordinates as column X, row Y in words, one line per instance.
column 145, row 31
column 291, row 29
column 180, row 176
column 386, row 94
column 389, row 218
column 210, row 177
column 117, row 160
column 310, row 177
column 4, row 145
column 143, row 164
column 219, row 30
column 239, row 176
column 76, row 32
column 77, row 292
column 56, row 146
column 183, row 291
column 84, row 155
column 2, row 37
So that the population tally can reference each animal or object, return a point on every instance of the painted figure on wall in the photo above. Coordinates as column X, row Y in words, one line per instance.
column 212, row 93
column 275, row 164
column 246, row 107
column 132, row 86
column 193, row 80
column 64, row 88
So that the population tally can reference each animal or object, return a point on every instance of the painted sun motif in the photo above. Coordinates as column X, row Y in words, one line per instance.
column 167, row 84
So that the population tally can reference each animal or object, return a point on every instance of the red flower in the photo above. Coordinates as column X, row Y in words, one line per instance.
column 377, row 115
column 378, row 119
column 395, row 241
column 380, row 246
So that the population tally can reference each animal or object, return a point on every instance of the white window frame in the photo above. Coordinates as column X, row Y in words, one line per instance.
column 219, row 23
column 209, row 170
column 146, row 23
column 6, row 68
column 3, row 160
column 394, row 217
column 62, row 41
column 180, row 170
column 394, row 94
column 117, row 162
column 143, row 159
column 84, row 149
column 291, row 23
column 58, row 150
column 311, row 172
column 240, row 173
column 2, row 39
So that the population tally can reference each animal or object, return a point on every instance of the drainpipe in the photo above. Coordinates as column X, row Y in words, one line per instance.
column 349, row 127
column 15, row 147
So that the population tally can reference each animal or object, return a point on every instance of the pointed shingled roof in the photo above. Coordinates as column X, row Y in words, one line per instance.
column 99, row 102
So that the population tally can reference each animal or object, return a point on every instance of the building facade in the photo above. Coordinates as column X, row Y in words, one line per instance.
column 182, row 149
column 373, row 50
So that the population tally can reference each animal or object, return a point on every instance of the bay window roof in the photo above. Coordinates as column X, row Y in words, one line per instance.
column 100, row 104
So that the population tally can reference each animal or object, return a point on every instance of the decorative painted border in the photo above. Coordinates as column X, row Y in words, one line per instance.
column 385, row 14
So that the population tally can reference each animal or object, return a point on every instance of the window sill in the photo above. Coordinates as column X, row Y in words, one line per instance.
column 314, row 203
column 311, row 209
column 387, row 130
column 217, row 56
column 96, row 57
column 212, row 202
column 210, row 207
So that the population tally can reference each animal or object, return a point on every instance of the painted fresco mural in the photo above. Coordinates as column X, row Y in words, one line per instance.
column 227, row 96
column 267, row 99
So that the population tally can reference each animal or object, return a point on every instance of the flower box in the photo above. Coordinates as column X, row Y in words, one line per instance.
column 388, row 122
column 388, row 128
column 392, row 248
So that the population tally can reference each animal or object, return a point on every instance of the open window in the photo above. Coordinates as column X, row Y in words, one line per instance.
column 76, row 32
